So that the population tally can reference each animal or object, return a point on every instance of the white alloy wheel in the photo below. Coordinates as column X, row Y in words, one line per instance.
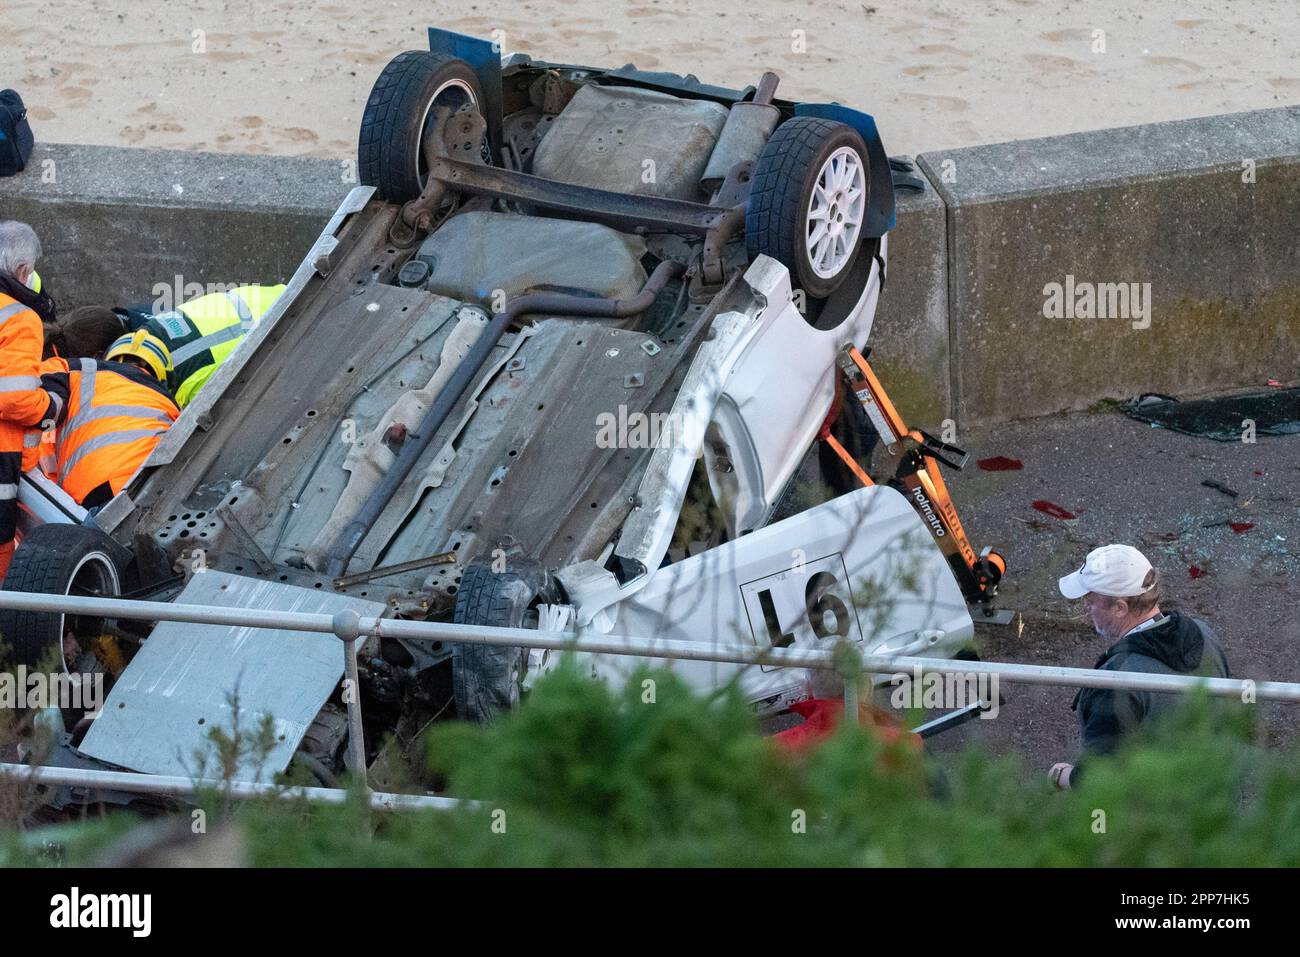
column 836, row 211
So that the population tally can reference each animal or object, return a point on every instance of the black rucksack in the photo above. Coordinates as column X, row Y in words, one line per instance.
column 15, row 134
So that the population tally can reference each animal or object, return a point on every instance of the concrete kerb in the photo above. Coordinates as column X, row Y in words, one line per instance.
column 1193, row 218
column 910, row 336
column 961, row 330
column 115, row 222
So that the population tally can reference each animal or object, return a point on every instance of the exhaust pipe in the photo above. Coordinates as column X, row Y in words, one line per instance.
column 553, row 303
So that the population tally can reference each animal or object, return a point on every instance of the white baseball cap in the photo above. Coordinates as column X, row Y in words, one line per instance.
column 1117, row 571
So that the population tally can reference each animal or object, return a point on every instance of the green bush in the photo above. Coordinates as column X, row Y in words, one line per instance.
column 583, row 775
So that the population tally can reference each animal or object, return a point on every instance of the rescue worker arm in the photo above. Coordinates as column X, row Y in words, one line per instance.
column 24, row 400
column 57, row 387
column 186, row 391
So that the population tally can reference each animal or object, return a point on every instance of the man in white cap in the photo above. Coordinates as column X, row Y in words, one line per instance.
column 1121, row 593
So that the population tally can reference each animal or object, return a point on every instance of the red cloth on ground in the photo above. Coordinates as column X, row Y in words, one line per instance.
column 823, row 715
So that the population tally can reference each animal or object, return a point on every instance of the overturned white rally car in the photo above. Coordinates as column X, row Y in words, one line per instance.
column 570, row 347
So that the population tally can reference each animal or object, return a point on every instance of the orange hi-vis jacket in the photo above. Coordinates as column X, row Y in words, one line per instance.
column 115, row 415
column 24, row 402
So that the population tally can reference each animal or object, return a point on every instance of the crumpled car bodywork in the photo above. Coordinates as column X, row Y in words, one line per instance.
column 577, row 443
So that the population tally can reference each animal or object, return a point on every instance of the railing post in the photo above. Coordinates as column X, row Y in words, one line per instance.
column 347, row 628
column 852, row 712
column 847, row 661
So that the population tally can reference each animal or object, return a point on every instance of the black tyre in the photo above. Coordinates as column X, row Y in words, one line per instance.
column 65, row 560
column 399, row 112
column 486, row 679
column 808, row 203
column 322, row 747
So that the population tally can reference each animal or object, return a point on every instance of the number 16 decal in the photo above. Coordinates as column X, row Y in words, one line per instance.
column 808, row 605
column 819, row 603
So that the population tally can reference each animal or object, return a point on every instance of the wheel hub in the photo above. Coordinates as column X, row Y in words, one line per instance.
column 453, row 94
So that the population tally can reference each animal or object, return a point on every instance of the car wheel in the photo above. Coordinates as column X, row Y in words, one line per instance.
column 322, row 748
column 399, row 113
column 808, row 202
column 63, row 560
column 486, row 679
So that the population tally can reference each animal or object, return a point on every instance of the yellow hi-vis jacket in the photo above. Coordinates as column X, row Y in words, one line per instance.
column 203, row 332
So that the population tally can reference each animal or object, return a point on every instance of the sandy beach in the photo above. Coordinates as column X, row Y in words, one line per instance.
column 289, row 77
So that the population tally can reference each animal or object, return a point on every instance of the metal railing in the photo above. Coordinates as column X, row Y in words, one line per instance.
column 349, row 627
column 170, row 786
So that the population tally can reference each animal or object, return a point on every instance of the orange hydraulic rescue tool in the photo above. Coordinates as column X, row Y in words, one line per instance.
column 914, row 456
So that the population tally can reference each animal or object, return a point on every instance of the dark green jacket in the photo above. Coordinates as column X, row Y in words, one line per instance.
column 1179, row 645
